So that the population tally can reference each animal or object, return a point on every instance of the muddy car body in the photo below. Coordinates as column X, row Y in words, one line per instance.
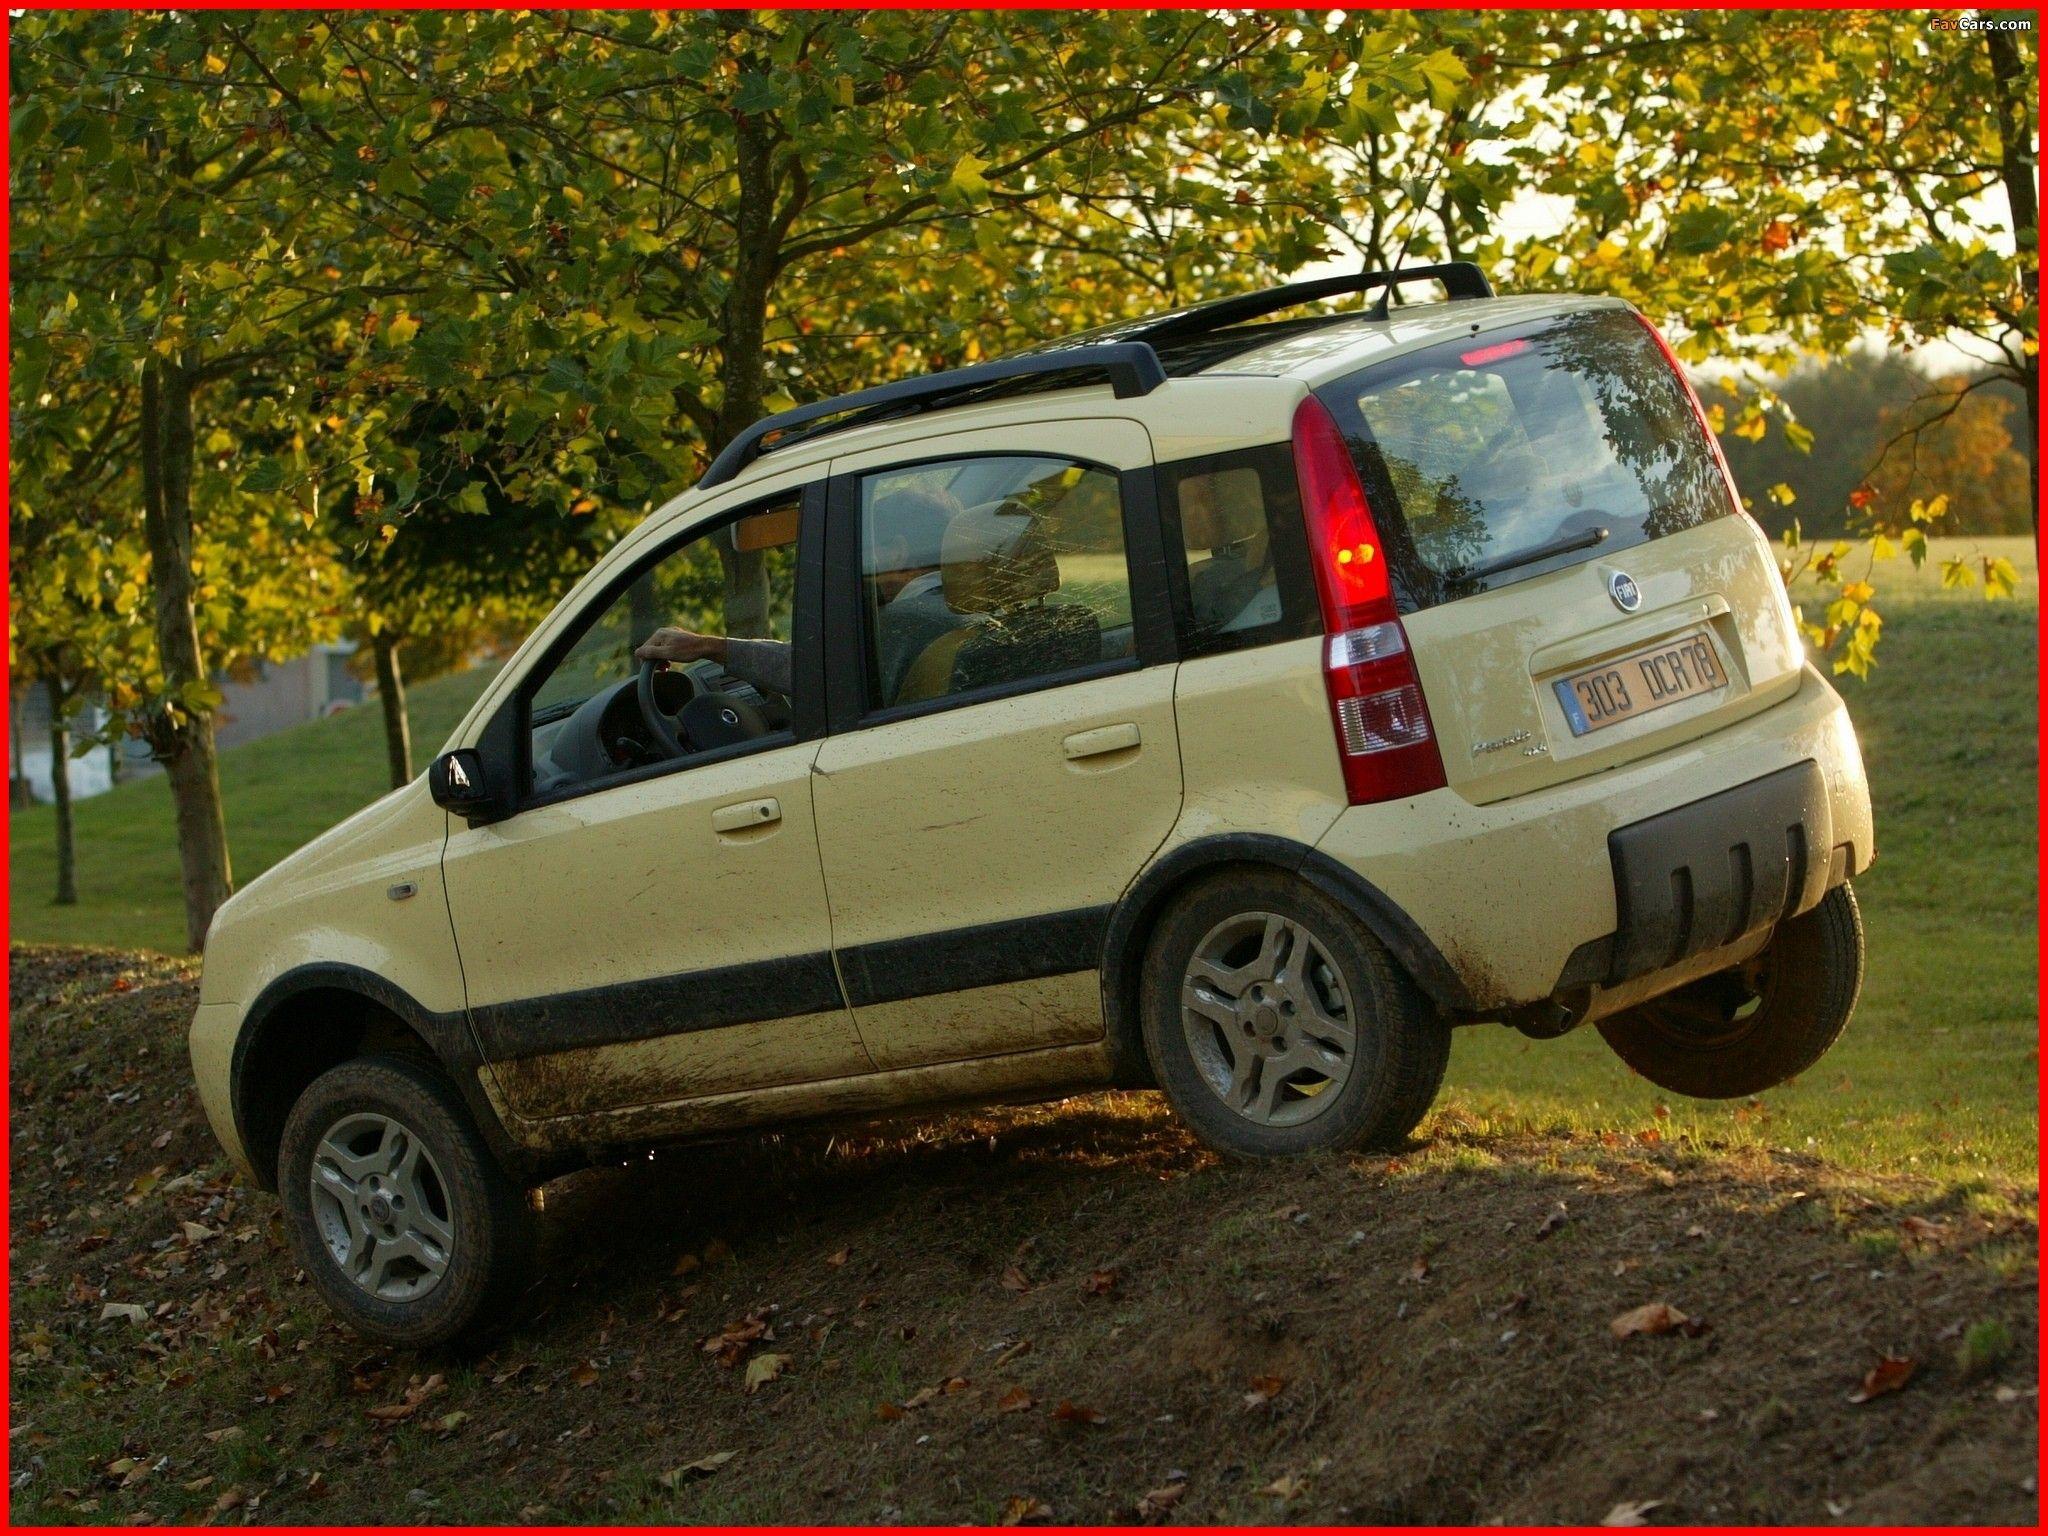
column 1214, row 702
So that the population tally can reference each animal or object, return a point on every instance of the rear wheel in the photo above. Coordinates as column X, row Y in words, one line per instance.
column 1749, row 1028
column 1276, row 1023
column 395, row 1207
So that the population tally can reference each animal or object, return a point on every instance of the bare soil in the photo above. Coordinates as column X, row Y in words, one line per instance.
column 1018, row 1314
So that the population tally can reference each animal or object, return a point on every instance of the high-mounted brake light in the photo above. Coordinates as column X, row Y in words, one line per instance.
column 1384, row 739
column 1699, row 411
column 1500, row 351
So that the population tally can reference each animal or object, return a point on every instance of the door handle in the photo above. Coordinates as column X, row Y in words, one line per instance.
column 1105, row 738
column 747, row 813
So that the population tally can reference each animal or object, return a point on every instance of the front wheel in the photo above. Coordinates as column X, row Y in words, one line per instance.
column 395, row 1207
column 1276, row 1023
column 1740, row 1031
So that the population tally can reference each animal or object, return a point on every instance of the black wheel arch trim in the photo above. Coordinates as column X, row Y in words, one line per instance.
column 446, row 1035
column 1132, row 919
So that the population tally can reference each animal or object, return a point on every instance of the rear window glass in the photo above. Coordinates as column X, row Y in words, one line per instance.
column 1504, row 455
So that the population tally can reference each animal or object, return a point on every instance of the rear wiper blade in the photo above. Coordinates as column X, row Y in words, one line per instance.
column 1562, row 545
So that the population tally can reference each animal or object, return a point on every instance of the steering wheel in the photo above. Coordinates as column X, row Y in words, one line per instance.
column 667, row 729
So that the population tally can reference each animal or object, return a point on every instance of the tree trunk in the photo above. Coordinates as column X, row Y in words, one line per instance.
column 742, row 368
column 2016, row 170
column 19, row 796
column 180, row 738
column 60, row 793
column 391, row 693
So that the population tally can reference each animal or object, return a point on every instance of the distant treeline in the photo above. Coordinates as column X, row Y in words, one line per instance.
column 1972, row 445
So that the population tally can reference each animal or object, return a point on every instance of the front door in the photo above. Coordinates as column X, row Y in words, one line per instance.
column 1003, row 759
column 651, row 927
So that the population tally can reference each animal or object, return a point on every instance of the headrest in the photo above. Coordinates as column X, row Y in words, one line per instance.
column 1225, row 506
column 994, row 560
column 907, row 529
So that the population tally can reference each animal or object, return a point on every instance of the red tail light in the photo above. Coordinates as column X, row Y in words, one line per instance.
column 1699, row 411
column 1384, row 737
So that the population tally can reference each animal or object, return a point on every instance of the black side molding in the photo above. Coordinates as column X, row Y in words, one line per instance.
column 718, row 998
column 986, row 955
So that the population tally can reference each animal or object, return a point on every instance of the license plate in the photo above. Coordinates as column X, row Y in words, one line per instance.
column 1635, row 684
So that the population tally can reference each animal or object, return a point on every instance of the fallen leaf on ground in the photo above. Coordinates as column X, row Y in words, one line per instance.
column 1100, row 1283
column 717, row 1251
column 1556, row 1219
column 839, row 1258
column 1021, row 1347
column 1159, row 1500
column 1920, row 1230
column 1074, row 1413
column 1631, row 1512
column 1418, row 1271
column 763, row 1369
column 125, row 1311
column 1264, row 1390
column 919, row 1398
column 1655, row 1317
column 1888, row 1375
column 585, row 1375
column 1014, row 1279
column 1285, row 1486
column 888, row 1411
column 703, row 1466
column 686, row 1264
column 1016, row 1400
column 1024, row 1510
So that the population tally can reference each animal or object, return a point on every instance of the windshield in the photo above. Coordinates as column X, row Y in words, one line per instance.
column 1501, row 456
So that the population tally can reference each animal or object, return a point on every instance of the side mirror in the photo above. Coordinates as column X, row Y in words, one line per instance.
column 458, row 782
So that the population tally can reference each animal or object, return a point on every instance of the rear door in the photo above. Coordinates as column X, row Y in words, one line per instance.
column 1577, row 583
column 1002, row 760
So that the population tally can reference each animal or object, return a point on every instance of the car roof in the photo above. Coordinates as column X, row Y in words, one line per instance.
column 1324, row 347
column 1309, row 351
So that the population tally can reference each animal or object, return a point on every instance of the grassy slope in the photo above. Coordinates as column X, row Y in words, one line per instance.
column 1938, row 1072
column 279, row 793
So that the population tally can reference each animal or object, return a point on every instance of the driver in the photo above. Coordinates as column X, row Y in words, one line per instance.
column 907, row 528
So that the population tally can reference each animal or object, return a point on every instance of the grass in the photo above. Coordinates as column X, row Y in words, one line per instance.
column 1936, row 1075
column 278, row 792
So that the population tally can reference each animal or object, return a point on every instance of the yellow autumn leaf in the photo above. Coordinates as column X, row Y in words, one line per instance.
column 401, row 330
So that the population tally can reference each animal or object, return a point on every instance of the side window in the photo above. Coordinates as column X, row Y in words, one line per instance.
column 981, row 572
column 721, row 607
column 1238, row 552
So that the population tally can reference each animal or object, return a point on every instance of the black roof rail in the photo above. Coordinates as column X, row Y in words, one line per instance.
column 1461, row 280
column 1131, row 368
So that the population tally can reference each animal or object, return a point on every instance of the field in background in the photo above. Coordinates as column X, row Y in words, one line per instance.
column 1937, row 1074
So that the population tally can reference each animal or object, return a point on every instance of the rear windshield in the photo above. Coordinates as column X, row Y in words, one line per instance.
column 1511, row 453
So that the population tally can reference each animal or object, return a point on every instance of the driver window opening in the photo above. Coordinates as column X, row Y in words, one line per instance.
column 700, row 639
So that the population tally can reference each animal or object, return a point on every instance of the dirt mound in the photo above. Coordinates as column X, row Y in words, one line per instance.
column 1067, row 1312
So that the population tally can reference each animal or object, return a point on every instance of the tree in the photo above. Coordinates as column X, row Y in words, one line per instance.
column 1955, row 440
column 1765, row 185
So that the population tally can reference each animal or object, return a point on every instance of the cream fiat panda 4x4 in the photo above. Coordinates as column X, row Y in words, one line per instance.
column 1221, row 702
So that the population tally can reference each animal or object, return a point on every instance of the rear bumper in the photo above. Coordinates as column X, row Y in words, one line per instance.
column 1632, row 871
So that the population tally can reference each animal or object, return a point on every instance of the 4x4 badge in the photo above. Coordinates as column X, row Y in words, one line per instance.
column 1621, row 586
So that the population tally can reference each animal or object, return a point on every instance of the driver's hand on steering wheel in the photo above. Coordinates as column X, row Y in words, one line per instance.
column 681, row 645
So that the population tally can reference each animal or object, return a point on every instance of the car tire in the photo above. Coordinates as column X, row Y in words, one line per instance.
column 1740, row 1031
column 1269, row 1076
column 398, row 1212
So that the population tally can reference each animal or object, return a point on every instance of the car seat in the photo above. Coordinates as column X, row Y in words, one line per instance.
column 999, row 566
